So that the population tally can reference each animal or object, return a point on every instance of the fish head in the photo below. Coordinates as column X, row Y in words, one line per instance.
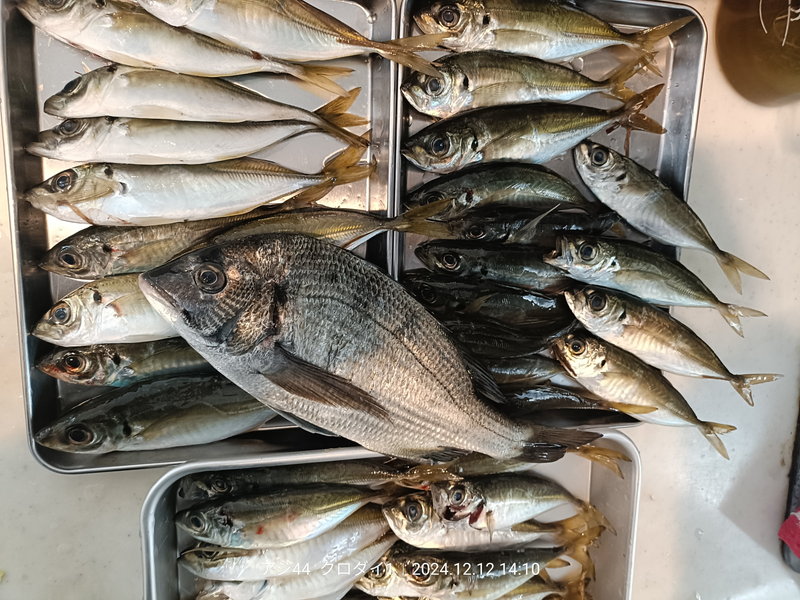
column 72, row 137
column 82, row 95
column 204, row 561
column 382, row 579
column 581, row 354
column 485, row 229
column 585, row 258
column 596, row 308
column 446, row 258
column 61, row 324
column 177, row 13
column 225, row 298
column 411, row 517
column 86, row 254
column 80, row 433
column 207, row 486
column 439, row 96
column 90, row 365
column 208, row 524
column 456, row 500
column 59, row 16
column 467, row 21
column 444, row 147
column 600, row 166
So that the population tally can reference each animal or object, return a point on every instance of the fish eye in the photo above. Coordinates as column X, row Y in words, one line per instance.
column 108, row 171
column 599, row 156
column 63, row 182
column 220, row 486
column 79, row 435
column 450, row 261
column 68, row 127
column 449, row 15
column 427, row 293
column 74, row 362
column 597, row 302
column 69, row 258
column 434, row 86
column 413, row 511
column 61, row 313
column 577, row 347
column 419, row 572
column 210, row 278
column 587, row 252
column 431, row 197
column 377, row 572
column 440, row 146
column 53, row 3
column 196, row 522
column 72, row 85
column 476, row 232
column 457, row 495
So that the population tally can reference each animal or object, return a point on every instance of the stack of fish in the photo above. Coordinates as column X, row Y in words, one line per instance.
column 517, row 240
column 473, row 530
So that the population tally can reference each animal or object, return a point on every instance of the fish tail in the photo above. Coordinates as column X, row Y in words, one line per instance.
column 417, row 220
column 579, row 551
column 428, row 41
column 548, row 444
column 617, row 79
column 712, row 431
column 742, row 383
column 576, row 590
column 732, row 313
column 605, row 457
column 575, row 527
column 594, row 518
column 333, row 118
column 632, row 117
column 405, row 56
column 647, row 39
column 732, row 265
column 346, row 166
column 319, row 77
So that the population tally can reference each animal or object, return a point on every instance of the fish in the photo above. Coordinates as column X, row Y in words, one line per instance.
column 512, row 374
column 538, row 588
column 641, row 272
column 545, row 29
column 218, row 484
column 123, row 195
column 528, row 133
column 650, row 206
column 655, row 337
column 357, row 531
column 294, row 311
column 121, row 365
column 154, row 415
column 469, row 80
column 488, row 340
column 626, row 383
column 123, row 33
column 122, row 91
column 414, row 520
column 275, row 519
column 513, row 265
column 106, row 311
column 298, row 31
column 100, row 251
column 501, row 501
column 513, row 185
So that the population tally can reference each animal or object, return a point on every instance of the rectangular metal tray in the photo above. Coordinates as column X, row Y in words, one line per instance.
column 34, row 67
column 617, row 498
column 680, row 58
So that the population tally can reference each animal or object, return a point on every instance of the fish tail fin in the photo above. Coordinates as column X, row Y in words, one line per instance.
column 732, row 265
column 417, row 220
column 732, row 313
column 575, row 527
column 632, row 117
column 645, row 41
column 742, row 383
column 319, row 78
column 579, row 551
column 711, row 431
column 617, row 79
column 605, row 457
column 575, row 590
column 404, row 55
column 421, row 43
column 346, row 166
column 548, row 444
column 333, row 118
column 594, row 518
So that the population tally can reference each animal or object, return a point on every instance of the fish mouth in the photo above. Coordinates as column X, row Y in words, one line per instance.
column 558, row 256
column 161, row 300
column 42, row 149
column 54, row 106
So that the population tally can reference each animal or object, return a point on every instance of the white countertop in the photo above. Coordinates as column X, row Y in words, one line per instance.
column 707, row 527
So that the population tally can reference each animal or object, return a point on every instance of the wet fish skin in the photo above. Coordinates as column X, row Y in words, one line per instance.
column 121, row 195
column 124, row 33
column 513, row 374
column 626, row 383
column 641, row 272
column 491, row 340
column 515, row 185
column 516, row 266
column 470, row 80
column 153, row 415
column 528, row 133
column 106, row 311
column 210, row 486
column 654, row 336
column 274, row 519
column 360, row 529
column 275, row 311
column 650, row 206
column 542, row 28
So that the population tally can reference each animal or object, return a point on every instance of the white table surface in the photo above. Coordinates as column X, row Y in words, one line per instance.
column 707, row 527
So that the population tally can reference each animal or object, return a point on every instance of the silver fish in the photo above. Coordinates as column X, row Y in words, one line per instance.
column 105, row 311
column 645, row 202
column 529, row 133
column 334, row 330
column 469, row 80
column 182, row 411
column 124, row 33
column 644, row 273
column 654, row 337
column 121, row 365
column 626, row 383
column 122, row 195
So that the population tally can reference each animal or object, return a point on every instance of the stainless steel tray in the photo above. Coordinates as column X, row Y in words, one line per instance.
column 36, row 66
column 680, row 58
column 617, row 498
